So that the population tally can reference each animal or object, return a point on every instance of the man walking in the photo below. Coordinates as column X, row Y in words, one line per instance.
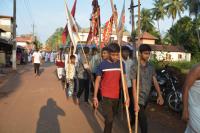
column 36, row 59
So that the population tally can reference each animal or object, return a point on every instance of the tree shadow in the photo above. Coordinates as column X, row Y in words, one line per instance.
column 48, row 121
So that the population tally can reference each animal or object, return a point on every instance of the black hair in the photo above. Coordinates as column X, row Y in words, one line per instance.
column 126, row 48
column 72, row 57
column 144, row 47
column 114, row 48
column 86, row 50
column 94, row 49
column 105, row 49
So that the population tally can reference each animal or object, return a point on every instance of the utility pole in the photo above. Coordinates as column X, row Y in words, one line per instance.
column 14, row 49
column 133, row 33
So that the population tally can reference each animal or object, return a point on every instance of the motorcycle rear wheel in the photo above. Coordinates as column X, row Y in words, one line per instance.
column 174, row 101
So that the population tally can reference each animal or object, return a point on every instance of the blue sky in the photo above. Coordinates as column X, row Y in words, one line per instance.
column 47, row 15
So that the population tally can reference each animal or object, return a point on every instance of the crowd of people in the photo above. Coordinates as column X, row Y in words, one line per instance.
column 99, row 74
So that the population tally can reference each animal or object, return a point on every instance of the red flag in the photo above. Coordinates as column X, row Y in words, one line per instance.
column 65, row 33
column 96, row 23
column 107, row 30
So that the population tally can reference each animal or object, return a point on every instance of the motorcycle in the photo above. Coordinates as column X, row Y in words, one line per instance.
column 170, row 89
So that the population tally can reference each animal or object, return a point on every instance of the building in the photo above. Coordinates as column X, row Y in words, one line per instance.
column 5, row 40
column 83, row 33
column 164, row 52
column 26, row 41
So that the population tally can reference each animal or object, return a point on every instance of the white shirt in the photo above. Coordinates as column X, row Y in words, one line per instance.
column 37, row 57
column 70, row 71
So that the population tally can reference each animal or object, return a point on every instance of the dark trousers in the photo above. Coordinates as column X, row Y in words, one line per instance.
column 142, row 118
column 131, row 106
column 109, row 107
column 37, row 68
column 83, row 86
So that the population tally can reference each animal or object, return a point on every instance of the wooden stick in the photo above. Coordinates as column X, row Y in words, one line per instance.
column 138, row 70
column 121, row 68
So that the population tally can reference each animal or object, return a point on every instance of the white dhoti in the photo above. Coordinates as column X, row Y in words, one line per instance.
column 60, row 72
column 194, row 109
column 52, row 58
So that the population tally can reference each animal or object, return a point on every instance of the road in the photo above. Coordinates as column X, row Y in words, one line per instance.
column 37, row 105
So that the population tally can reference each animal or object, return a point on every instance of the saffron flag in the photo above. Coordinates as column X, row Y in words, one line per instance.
column 65, row 34
column 72, row 28
column 121, row 25
column 107, row 31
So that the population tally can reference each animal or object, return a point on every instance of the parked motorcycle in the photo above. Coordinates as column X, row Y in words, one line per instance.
column 171, row 92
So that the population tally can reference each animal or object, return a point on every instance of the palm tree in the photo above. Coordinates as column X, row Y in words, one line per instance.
column 194, row 9
column 147, row 23
column 194, row 6
column 175, row 7
column 159, row 11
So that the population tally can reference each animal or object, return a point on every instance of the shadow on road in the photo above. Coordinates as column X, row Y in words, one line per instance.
column 13, row 81
column 87, row 111
column 48, row 121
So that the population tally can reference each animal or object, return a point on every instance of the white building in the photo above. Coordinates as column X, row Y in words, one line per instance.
column 26, row 42
column 6, row 26
column 83, row 33
column 5, row 40
column 165, row 52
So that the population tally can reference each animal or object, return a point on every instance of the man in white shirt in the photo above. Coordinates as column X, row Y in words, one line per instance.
column 36, row 57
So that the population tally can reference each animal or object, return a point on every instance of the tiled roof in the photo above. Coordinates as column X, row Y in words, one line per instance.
column 167, row 48
column 147, row 35
column 24, row 39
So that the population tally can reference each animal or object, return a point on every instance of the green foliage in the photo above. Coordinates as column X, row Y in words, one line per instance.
column 54, row 40
column 193, row 6
column 185, row 33
column 175, row 7
column 147, row 23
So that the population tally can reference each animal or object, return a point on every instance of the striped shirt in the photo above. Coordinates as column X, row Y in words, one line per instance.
column 110, row 78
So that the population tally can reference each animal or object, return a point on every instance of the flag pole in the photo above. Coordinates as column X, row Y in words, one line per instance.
column 121, row 66
column 138, row 70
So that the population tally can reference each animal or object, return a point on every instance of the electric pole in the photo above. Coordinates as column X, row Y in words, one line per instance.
column 133, row 32
column 14, row 65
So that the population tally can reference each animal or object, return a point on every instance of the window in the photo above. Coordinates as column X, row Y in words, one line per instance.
column 179, row 56
column 168, row 57
column 112, row 39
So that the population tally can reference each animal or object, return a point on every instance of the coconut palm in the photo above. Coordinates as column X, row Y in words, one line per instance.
column 159, row 11
column 194, row 6
column 194, row 9
column 147, row 23
column 175, row 7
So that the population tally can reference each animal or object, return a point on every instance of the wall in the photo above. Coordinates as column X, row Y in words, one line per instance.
column 84, row 36
column 144, row 41
column 6, row 22
column 172, row 56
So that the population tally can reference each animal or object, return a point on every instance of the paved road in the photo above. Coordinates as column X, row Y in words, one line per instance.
column 39, row 105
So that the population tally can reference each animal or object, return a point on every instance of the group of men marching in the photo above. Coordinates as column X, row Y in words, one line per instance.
column 99, row 73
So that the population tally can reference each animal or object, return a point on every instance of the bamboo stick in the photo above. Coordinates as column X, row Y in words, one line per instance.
column 121, row 68
column 138, row 70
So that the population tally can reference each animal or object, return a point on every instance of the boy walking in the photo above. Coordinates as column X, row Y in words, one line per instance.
column 109, row 74
column 147, row 76
column 70, row 73
column 83, row 74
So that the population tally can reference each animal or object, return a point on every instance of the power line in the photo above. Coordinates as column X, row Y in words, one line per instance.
column 29, row 11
